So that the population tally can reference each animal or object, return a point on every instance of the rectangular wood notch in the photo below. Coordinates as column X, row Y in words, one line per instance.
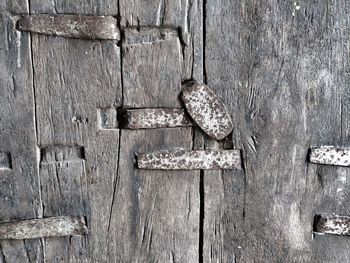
column 60, row 154
column 5, row 161
column 71, row 26
column 107, row 118
column 190, row 160
column 151, row 118
column 332, row 224
column 47, row 227
column 330, row 155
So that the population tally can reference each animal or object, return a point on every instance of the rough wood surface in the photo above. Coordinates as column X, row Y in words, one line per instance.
column 72, row 26
column 206, row 109
column 190, row 160
column 47, row 227
column 330, row 155
column 332, row 224
column 155, row 118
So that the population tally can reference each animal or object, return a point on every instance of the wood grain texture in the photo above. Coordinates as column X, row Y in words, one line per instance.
column 47, row 227
column 280, row 68
column 19, row 181
column 185, row 15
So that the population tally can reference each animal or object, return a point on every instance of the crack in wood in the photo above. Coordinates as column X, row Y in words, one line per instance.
column 47, row 227
column 190, row 160
column 71, row 26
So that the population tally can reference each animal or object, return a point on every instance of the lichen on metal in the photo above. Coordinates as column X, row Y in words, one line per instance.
column 330, row 155
column 190, row 160
column 71, row 26
column 151, row 118
column 332, row 224
column 44, row 227
column 206, row 109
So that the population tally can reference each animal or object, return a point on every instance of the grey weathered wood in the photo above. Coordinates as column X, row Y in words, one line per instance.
column 152, row 118
column 75, row 82
column 280, row 69
column 330, row 155
column 19, row 187
column 47, row 227
column 186, row 15
column 332, row 224
column 190, row 160
column 72, row 26
column 206, row 109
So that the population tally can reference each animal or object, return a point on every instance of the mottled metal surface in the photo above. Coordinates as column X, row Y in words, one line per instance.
column 330, row 155
column 47, row 227
column 206, row 109
column 72, row 26
column 155, row 118
column 332, row 224
column 190, row 160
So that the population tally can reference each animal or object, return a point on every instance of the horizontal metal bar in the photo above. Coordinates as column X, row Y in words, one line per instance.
column 330, row 155
column 151, row 118
column 47, row 227
column 332, row 224
column 190, row 160
column 206, row 109
column 71, row 26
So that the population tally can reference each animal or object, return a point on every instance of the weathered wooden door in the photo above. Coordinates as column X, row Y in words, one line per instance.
column 281, row 67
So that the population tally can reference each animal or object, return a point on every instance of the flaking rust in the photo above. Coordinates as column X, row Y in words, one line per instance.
column 330, row 155
column 71, row 26
column 206, row 109
column 47, row 227
column 152, row 118
column 190, row 160
column 332, row 224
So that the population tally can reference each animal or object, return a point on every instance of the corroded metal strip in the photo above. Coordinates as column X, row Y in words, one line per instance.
column 190, row 160
column 47, row 227
column 330, row 155
column 332, row 224
column 206, row 109
column 72, row 26
column 155, row 118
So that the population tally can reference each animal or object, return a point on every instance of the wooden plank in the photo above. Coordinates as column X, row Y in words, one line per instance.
column 206, row 109
column 72, row 26
column 151, row 72
column 330, row 155
column 155, row 216
column 152, row 118
column 19, row 186
column 186, row 15
column 190, row 160
column 279, row 67
column 47, row 227
column 332, row 224
column 78, row 83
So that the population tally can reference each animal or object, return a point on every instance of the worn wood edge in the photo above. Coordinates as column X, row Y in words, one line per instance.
column 332, row 224
column 147, row 35
column 46, row 227
column 330, row 155
column 71, row 26
column 152, row 118
column 190, row 160
column 206, row 109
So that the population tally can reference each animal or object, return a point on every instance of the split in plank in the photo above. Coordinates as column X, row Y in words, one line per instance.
column 154, row 118
column 71, row 26
column 190, row 160
column 206, row 109
column 47, row 227
column 332, row 224
column 330, row 155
